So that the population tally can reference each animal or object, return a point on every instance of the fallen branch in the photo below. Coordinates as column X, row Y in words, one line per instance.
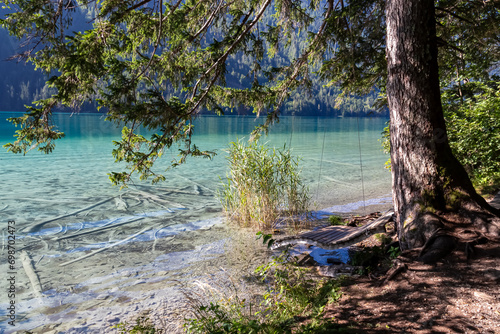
column 40, row 259
column 36, row 227
column 139, row 202
column 121, row 204
column 97, row 229
column 152, row 197
column 61, row 228
column 105, row 248
column 30, row 272
column 396, row 269
column 157, row 199
column 195, row 183
column 156, row 238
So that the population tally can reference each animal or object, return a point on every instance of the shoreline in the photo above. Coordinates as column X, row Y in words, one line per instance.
column 117, row 294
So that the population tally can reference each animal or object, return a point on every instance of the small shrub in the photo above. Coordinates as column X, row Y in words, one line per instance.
column 368, row 258
column 337, row 220
column 215, row 318
column 383, row 238
column 393, row 252
column 263, row 186
column 376, row 257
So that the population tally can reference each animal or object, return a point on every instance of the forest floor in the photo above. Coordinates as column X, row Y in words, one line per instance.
column 456, row 295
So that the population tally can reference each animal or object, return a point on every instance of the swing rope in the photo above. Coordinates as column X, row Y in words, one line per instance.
column 357, row 118
column 321, row 162
column 361, row 166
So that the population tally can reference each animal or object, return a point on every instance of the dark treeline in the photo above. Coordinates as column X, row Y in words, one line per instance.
column 21, row 84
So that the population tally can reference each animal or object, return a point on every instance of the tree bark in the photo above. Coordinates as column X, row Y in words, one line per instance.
column 431, row 189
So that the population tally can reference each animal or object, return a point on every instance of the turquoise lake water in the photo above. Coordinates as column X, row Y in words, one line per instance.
column 79, row 233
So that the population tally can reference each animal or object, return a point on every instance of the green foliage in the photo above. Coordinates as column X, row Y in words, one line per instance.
column 36, row 131
column 393, row 252
column 470, row 86
column 467, row 61
column 371, row 258
column 474, row 132
column 263, row 186
column 290, row 294
column 468, row 40
column 267, row 239
column 157, row 64
column 473, row 125
column 383, row 238
column 337, row 220
column 386, row 143
column 214, row 318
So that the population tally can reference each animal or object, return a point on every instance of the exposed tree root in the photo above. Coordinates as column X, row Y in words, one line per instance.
column 397, row 268
column 464, row 227
column 441, row 246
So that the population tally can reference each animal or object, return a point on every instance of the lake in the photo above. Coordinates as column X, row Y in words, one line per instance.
column 88, row 255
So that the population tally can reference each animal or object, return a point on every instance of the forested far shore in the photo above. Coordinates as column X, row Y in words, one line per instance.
column 21, row 84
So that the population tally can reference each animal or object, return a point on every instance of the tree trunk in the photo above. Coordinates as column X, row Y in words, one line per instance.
column 431, row 190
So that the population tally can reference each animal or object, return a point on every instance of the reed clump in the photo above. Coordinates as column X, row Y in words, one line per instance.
column 263, row 186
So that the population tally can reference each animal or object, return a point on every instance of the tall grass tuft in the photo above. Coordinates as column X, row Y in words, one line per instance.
column 263, row 186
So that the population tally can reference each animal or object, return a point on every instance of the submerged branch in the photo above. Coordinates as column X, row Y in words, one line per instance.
column 105, row 248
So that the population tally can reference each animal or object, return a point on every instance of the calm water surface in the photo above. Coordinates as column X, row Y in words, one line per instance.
column 88, row 254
